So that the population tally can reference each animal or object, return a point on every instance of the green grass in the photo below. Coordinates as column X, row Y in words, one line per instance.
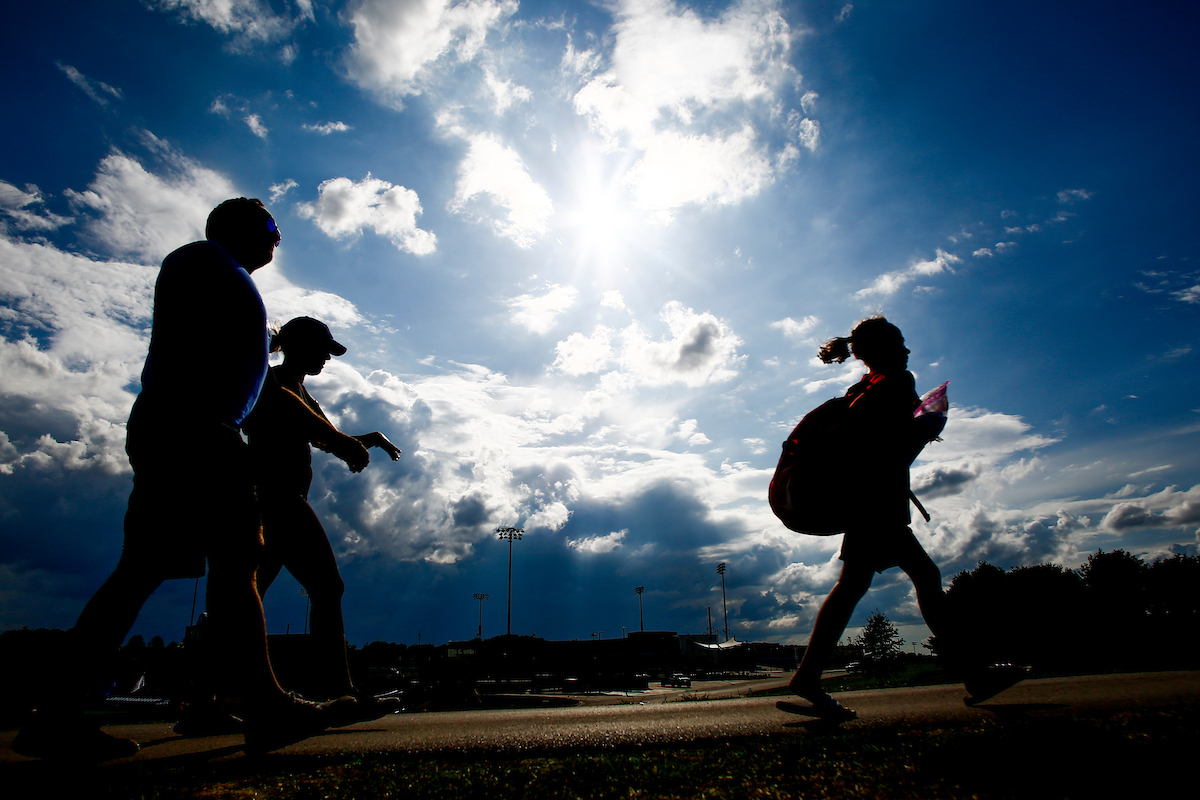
column 1108, row 755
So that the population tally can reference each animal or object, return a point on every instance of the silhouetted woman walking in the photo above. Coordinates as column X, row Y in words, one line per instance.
column 280, row 433
column 882, row 438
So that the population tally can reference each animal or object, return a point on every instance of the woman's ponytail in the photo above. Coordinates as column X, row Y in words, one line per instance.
column 836, row 349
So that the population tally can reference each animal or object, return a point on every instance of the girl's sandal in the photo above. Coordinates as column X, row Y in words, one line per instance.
column 823, row 706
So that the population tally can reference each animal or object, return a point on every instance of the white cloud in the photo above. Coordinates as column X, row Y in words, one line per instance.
column 979, row 433
column 92, row 319
column 345, row 207
column 285, row 301
column 600, row 543
column 394, row 42
column 326, row 128
column 144, row 215
column 891, row 282
column 99, row 91
column 690, row 433
column 278, row 190
column 1071, row 195
column 757, row 446
column 612, row 299
column 674, row 82
column 808, row 133
column 701, row 349
column 255, row 123
column 1169, row 508
column 21, row 209
column 581, row 355
column 582, row 63
column 504, row 94
column 493, row 175
column 678, row 168
column 551, row 517
column 539, row 313
column 249, row 22
column 1188, row 295
column 983, row 252
column 796, row 330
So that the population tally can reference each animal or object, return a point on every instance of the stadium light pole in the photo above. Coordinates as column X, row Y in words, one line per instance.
column 641, row 616
column 510, row 534
column 724, row 608
column 480, row 597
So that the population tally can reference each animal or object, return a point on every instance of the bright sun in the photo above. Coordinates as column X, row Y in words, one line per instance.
column 601, row 220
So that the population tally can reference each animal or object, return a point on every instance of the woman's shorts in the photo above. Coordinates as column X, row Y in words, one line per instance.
column 881, row 547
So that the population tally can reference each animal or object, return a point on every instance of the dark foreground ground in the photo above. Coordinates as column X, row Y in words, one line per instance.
column 1014, row 750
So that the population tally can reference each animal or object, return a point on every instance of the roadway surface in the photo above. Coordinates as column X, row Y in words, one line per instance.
column 663, row 716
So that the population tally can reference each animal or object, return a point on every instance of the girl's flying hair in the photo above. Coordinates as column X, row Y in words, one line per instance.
column 865, row 339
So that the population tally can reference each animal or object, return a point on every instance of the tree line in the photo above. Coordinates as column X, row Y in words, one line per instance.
column 1115, row 612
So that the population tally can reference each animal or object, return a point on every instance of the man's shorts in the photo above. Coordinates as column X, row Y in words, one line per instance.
column 193, row 499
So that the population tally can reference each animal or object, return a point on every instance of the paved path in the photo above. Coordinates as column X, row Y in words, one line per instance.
column 657, row 722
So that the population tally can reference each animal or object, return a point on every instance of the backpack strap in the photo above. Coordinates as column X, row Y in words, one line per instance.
column 917, row 503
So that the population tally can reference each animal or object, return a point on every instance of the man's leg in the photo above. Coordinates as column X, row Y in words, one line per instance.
column 58, row 729
column 235, row 612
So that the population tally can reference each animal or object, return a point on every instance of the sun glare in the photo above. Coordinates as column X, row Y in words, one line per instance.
column 601, row 221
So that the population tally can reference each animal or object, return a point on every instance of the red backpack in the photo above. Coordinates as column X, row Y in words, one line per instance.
column 810, row 472
column 814, row 468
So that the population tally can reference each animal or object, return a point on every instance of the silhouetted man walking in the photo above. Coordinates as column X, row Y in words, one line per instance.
column 193, row 495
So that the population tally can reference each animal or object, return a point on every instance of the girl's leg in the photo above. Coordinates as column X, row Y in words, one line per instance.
column 830, row 624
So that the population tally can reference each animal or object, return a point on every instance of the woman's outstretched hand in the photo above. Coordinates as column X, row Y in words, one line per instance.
column 377, row 439
column 353, row 452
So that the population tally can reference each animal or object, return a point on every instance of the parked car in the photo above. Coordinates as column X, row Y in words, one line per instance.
column 677, row 681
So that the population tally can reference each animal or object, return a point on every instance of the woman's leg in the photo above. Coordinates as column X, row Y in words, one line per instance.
column 272, row 563
column 296, row 538
column 927, row 581
column 831, row 622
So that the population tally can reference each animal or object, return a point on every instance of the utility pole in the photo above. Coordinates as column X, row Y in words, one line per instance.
column 641, row 616
column 480, row 597
column 510, row 534
column 724, row 608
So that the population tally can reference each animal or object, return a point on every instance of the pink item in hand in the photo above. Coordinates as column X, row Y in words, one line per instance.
column 934, row 402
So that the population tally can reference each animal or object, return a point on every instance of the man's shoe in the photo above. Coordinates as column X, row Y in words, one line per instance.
column 365, row 708
column 70, row 739
column 992, row 680
column 206, row 720
column 273, row 726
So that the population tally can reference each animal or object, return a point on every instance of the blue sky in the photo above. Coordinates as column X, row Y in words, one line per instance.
column 582, row 255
